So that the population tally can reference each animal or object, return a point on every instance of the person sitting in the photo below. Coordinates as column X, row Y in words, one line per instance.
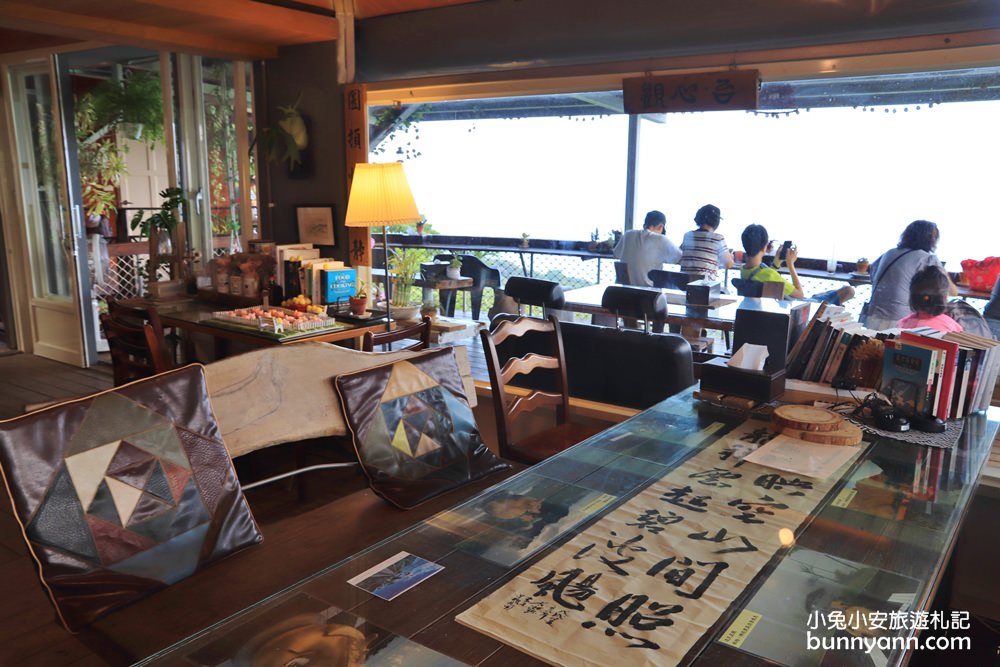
column 892, row 272
column 755, row 243
column 928, row 299
column 704, row 249
column 645, row 249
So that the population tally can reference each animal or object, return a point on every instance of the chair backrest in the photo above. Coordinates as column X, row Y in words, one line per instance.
column 509, row 410
column 638, row 302
column 421, row 331
column 621, row 273
column 482, row 274
column 136, row 316
column 756, row 288
column 614, row 366
column 136, row 351
column 671, row 279
column 535, row 292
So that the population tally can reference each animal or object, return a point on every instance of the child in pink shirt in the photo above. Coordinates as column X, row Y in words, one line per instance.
column 928, row 296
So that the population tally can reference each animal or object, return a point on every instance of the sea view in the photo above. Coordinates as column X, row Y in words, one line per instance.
column 839, row 182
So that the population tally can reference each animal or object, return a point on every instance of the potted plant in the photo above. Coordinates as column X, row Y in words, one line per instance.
column 359, row 302
column 160, row 225
column 862, row 265
column 454, row 270
column 524, row 239
column 403, row 266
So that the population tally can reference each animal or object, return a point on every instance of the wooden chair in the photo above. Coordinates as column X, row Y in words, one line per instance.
column 136, row 351
column 671, row 279
column 756, row 288
column 546, row 294
column 538, row 446
column 136, row 316
column 421, row 331
column 636, row 303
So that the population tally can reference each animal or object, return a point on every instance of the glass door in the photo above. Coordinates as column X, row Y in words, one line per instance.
column 56, row 327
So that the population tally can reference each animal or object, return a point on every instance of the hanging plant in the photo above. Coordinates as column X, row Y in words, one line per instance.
column 133, row 106
column 288, row 140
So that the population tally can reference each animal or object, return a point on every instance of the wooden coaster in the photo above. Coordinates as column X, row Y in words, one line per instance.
column 846, row 434
column 806, row 418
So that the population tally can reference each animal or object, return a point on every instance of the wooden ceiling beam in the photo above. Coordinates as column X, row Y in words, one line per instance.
column 316, row 27
column 17, row 16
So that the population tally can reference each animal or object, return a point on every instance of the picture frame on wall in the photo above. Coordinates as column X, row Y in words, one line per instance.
column 315, row 224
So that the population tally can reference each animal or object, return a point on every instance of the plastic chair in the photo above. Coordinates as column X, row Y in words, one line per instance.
column 483, row 276
column 621, row 273
column 136, row 351
column 541, row 445
column 421, row 331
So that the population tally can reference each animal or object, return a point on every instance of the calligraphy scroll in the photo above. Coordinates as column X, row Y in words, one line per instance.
column 650, row 578
column 356, row 144
column 704, row 91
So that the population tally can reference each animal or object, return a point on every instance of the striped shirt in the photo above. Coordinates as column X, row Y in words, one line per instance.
column 703, row 253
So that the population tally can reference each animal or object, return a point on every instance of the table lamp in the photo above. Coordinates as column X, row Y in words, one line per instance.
column 380, row 196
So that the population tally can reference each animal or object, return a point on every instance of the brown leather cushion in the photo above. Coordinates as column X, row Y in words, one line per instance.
column 124, row 492
column 413, row 430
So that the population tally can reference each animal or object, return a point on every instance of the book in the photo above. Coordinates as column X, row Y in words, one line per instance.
column 837, row 356
column 949, row 365
column 906, row 375
column 984, row 369
column 962, row 370
column 807, row 338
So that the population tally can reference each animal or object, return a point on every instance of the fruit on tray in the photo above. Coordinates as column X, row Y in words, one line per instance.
column 300, row 302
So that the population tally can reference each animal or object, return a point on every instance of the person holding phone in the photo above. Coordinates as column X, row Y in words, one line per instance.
column 755, row 244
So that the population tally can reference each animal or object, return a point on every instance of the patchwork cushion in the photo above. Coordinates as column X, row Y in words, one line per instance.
column 413, row 430
column 124, row 492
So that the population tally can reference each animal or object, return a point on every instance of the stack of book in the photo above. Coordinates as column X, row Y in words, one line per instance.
column 834, row 345
column 924, row 371
column 943, row 374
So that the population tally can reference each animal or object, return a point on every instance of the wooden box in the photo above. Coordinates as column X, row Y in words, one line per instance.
column 703, row 292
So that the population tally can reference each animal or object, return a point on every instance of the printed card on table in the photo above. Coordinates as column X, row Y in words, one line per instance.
column 396, row 575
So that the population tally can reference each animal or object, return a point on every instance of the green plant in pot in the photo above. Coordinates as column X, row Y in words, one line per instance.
column 359, row 302
column 159, row 226
column 454, row 270
column 404, row 265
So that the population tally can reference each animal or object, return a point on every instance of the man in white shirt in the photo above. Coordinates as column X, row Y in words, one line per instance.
column 646, row 249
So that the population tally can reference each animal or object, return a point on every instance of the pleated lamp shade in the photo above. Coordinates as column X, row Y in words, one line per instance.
column 380, row 195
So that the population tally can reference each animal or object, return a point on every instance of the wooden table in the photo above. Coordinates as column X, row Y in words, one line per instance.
column 894, row 515
column 197, row 319
column 721, row 315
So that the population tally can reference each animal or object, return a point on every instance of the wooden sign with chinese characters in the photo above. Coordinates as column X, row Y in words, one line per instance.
column 649, row 579
column 705, row 91
column 356, row 143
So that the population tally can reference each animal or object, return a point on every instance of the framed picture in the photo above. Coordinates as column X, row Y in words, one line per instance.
column 315, row 224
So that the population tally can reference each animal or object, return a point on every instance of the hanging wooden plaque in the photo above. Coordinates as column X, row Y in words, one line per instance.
column 356, row 142
column 703, row 91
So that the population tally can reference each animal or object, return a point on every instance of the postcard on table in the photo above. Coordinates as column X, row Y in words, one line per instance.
column 396, row 575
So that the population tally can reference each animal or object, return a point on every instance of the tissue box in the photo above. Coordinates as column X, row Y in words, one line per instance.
column 703, row 292
column 759, row 385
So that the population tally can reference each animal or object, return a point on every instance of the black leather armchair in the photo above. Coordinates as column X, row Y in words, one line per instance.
column 615, row 366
